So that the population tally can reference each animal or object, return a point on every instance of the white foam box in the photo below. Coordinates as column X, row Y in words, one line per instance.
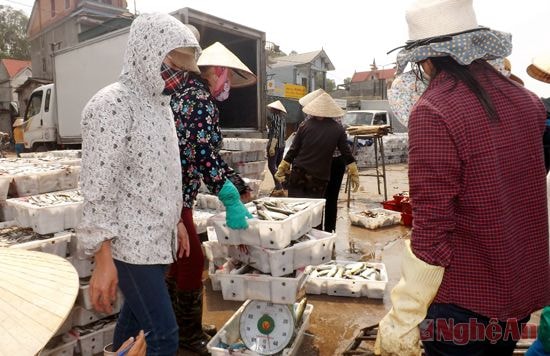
column 46, row 219
column 284, row 290
column 216, row 283
column 84, row 266
column 56, row 179
column 63, row 349
column 94, row 342
column 317, row 250
column 83, row 297
column 348, row 287
column 82, row 316
column 244, row 144
column 233, row 157
column 271, row 234
column 231, row 331
column 383, row 218
column 56, row 245
column 5, row 182
column 249, row 168
column 208, row 202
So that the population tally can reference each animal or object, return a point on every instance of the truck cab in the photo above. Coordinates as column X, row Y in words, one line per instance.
column 366, row 117
column 40, row 128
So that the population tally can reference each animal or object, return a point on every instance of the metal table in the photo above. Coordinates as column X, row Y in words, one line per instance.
column 378, row 154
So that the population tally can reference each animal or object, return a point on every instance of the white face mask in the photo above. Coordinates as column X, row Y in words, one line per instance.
column 224, row 93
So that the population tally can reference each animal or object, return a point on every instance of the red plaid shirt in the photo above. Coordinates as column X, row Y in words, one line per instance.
column 478, row 192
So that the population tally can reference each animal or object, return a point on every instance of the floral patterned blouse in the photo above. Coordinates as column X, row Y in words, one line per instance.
column 200, row 139
column 130, row 176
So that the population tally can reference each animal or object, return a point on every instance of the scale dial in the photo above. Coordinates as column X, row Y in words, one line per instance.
column 265, row 327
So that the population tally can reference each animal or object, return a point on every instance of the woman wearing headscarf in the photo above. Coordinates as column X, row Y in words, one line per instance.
column 131, row 183
column 312, row 150
column 195, row 98
column 478, row 257
column 276, row 137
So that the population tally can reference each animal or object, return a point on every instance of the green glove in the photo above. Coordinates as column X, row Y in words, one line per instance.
column 398, row 332
column 282, row 171
column 544, row 329
column 353, row 174
column 235, row 211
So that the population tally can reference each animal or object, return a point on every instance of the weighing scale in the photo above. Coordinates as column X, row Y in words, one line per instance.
column 267, row 328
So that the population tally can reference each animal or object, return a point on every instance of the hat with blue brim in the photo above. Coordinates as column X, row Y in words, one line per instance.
column 440, row 28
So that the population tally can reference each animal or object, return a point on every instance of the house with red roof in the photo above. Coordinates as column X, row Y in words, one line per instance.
column 13, row 73
column 372, row 84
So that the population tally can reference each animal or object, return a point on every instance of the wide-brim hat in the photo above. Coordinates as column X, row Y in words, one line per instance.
column 188, row 59
column 277, row 105
column 539, row 68
column 18, row 122
column 218, row 55
column 405, row 91
column 306, row 99
column 323, row 106
column 37, row 293
column 439, row 28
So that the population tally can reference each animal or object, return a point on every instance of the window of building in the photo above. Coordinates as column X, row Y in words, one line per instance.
column 52, row 5
column 67, row 4
column 44, row 64
column 304, row 82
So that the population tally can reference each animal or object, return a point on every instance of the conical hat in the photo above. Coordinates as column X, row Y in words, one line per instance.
column 277, row 105
column 306, row 99
column 218, row 55
column 323, row 106
column 18, row 122
column 37, row 293
column 540, row 68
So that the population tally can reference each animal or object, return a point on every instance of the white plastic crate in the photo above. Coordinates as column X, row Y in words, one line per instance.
column 64, row 349
column 94, row 342
column 56, row 244
column 233, row 157
column 216, row 283
column 272, row 234
column 83, row 297
column 46, row 219
column 231, row 332
column 55, row 179
column 249, row 168
column 348, row 287
column 381, row 217
column 284, row 290
column 84, row 266
column 82, row 316
column 244, row 144
column 316, row 250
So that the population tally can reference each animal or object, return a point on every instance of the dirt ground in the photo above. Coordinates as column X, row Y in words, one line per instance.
column 335, row 321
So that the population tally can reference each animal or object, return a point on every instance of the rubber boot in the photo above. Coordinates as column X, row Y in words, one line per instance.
column 171, row 283
column 188, row 309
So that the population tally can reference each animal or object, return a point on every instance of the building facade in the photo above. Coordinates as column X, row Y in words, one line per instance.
column 372, row 84
column 13, row 73
column 56, row 24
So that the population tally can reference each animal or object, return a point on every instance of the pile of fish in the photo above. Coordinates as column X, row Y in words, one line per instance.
column 55, row 198
column 360, row 271
column 273, row 210
column 15, row 235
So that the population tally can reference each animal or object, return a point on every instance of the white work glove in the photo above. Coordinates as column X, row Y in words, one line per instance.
column 398, row 333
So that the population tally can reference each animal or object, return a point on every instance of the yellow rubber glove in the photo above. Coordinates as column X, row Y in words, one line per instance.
column 353, row 174
column 282, row 171
column 398, row 332
column 272, row 146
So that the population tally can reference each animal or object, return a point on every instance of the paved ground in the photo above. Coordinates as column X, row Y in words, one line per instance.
column 335, row 321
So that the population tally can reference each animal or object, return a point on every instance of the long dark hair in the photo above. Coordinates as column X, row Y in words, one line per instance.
column 463, row 74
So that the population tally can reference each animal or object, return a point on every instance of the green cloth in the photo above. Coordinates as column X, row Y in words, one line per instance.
column 544, row 329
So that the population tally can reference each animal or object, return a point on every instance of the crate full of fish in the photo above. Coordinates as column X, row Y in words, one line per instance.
column 348, row 279
column 313, row 248
column 374, row 218
column 228, row 340
column 241, row 282
column 50, row 212
column 13, row 236
column 276, row 222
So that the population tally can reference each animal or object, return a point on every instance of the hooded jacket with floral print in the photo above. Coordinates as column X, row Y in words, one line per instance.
column 131, row 177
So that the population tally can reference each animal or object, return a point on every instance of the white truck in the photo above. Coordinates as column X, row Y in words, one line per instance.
column 53, row 118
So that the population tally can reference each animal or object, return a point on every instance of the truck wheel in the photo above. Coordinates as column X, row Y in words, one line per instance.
column 40, row 147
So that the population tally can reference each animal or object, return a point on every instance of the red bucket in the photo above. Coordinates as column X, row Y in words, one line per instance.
column 391, row 205
column 407, row 219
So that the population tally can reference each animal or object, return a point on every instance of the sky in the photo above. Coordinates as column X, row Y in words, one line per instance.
column 355, row 32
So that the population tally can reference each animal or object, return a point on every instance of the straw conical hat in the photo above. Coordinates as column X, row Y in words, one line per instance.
column 306, row 99
column 323, row 106
column 540, row 68
column 277, row 105
column 37, row 293
column 218, row 55
column 18, row 122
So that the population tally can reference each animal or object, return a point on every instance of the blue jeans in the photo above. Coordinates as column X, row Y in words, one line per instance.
column 147, row 306
column 19, row 148
column 450, row 330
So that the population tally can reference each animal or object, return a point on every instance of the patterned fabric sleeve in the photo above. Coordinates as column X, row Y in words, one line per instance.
column 434, row 182
column 104, row 135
